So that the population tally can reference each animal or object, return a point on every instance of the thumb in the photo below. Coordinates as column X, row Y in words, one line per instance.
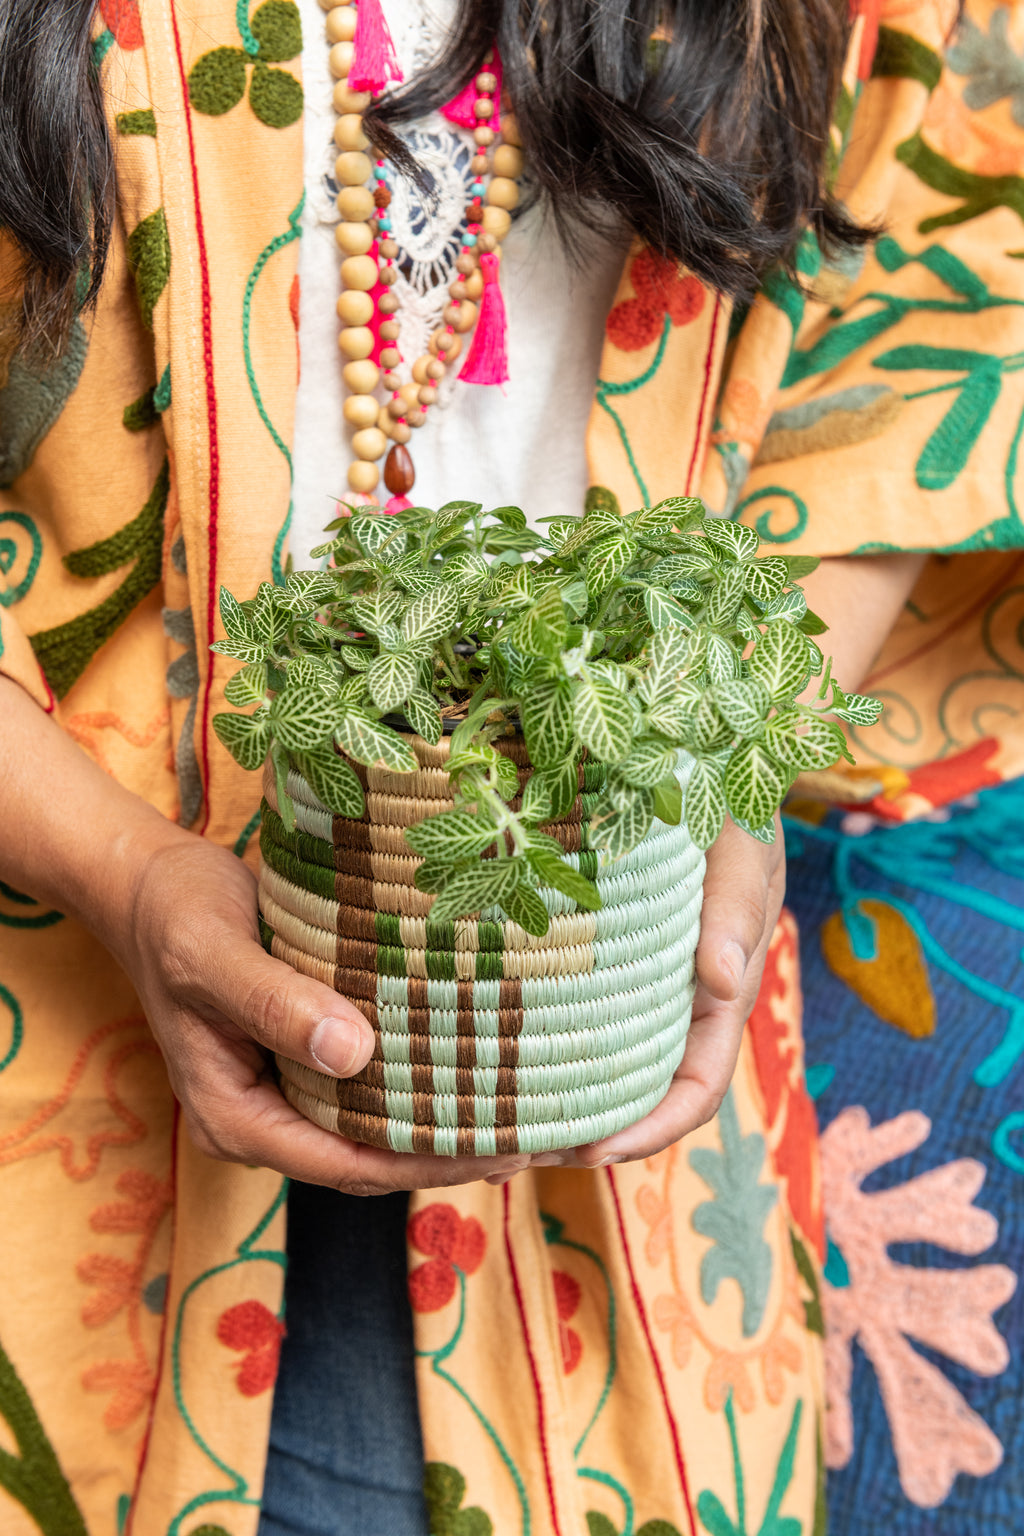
column 288, row 1013
column 742, row 890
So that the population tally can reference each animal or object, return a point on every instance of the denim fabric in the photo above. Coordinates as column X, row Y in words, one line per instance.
column 346, row 1455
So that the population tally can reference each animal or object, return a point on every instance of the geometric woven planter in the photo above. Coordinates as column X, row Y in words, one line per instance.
column 488, row 1039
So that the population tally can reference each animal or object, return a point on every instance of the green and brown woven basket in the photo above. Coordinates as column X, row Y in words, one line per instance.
column 488, row 1040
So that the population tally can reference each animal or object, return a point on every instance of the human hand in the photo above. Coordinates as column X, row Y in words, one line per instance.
column 218, row 1005
column 743, row 891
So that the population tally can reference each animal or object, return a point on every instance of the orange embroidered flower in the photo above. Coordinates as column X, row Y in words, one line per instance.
column 122, row 17
column 567, row 1300
column 453, row 1244
column 661, row 289
column 252, row 1327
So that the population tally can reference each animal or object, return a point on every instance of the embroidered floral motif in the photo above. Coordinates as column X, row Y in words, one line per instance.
column 882, row 1305
column 452, row 1243
column 252, row 1327
column 567, row 1299
column 122, row 18
column 661, row 289
column 217, row 80
column 444, row 1489
column 995, row 71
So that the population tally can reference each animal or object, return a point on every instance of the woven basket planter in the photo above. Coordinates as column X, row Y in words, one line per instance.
column 488, row 1040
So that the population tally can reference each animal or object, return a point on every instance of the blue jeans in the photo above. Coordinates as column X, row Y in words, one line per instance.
column 346, row 1454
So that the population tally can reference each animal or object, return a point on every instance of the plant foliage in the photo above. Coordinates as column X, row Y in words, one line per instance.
column 629, row 639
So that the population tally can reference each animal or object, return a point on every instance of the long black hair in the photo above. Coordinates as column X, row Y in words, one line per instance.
column 701, row 124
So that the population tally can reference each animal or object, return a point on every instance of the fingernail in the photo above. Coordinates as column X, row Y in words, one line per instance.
column 734, row 963
column 336, row 1046
column 613, row 1157
column 501, row 1178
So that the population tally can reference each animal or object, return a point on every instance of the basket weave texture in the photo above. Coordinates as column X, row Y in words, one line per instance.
column 488, row 1039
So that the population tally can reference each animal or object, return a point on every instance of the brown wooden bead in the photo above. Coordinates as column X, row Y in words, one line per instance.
column 349, row 101
column 486, row 83
column 497, row 222
column 363, row 476
column 353, row 239
column 348, row 131
column 341, row 24
column 427, row 394
column 508, row 160
column 457, row 289
column 419, row 370
column 355, row 307
column 390, row 330
column 483, row 107
column 478, row 164
column 483, row 134
column 401, row 431
column 390, row 378
column 486, row 242
column 352, row 168
column 390, row 357
column 387, row 304
column 369, row 443
column 465, row 319
column 382, row 197
column 436, row 369
column 359, row 272
column 444, row 344
column 389, row 274
column 416, row 417
column 356, row 341
column 389, row 249
column 340, row 60
column 399, row 474
column 361, row 377
column 361, row 410
column 466, row 263
column 510, row 131
column 397, row 408
column 355, row 203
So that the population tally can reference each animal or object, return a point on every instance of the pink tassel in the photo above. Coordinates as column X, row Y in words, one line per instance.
column 460, row 109
column 374, row 62
column 487, row 362
column 397, row 504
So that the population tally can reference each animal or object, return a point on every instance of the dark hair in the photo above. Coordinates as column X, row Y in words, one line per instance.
column 56, row 181
column 702, row 126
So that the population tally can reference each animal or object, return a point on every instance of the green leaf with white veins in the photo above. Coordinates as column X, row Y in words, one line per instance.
column 754, row 784
column 676, row 654
column 547, row 717
column 662, row 609
column 603, row 718
column 332, row 780
column 392, row 678
column 359, row 660
column 525, row 907
column 245, row 736
column 743, row 703
column 709, row 729
column 791, row 606
column 705, row 804
column 804, row 741
column 373, row 613
column 607, row 559
column 480, row 885
column 860, row 710
column 732, row 538
column 373, row 744
column 302, row 716
column 452, row 836
column 542, row 629
column 553, row 871
column 431, row 615
column 647, row 764
column 559, row 785
column 423, row 715
column 765, row 579
column 467, row 569
column 727, row 595
column 247, row 686
column 621, row 832
column 781, row 661
column 237, row 625
column 723, row 662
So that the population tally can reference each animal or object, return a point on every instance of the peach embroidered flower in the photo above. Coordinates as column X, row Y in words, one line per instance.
column 661, row 289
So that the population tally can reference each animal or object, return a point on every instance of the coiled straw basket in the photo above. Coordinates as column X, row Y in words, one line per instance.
column 489, row 1040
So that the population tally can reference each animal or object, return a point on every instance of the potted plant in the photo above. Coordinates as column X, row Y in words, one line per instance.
column 493, row 759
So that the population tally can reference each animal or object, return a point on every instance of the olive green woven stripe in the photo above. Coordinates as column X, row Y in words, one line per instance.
column 594, row 776
column 312, row 877
column 266, row 934
column 311, row 850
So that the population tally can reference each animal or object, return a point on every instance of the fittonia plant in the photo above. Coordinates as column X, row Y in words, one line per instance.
column 625, row 638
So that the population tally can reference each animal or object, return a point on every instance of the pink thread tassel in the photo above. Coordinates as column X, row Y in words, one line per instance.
column 487, row 362
column 460, row 110
column 397, row 504
column 374, row 61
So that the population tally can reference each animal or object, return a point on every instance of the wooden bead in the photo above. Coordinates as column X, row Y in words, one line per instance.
column 363, row 476
column 410, row 393
column 387, row 304
column 483, row 134
column 474, row 285
column 341, row 24
column 496, row 222
column 361, row 271
column 390, row 330
column 348, row 132
column 428, row 394
column 349, row 101
column 478, row 164
column 399, row 474
column 355, row 204
column 510, row 131
column 361, row 410
column 441, row 342
column 486, row 243
column 356, row 341
column 465, row 317
column 416, row 417
column 466, row 263
column 508, row 160
column 355, row 307
column 452, row 313
column 389, row 249
column 353, row 239
column 369, row 443
column 390, row 357
column 401, row 432
column 486, row 83
column 361, row 377
column 436, row 369
column 457, row 289
column 352, row 168
column 388, row 275
column 390, row 379
column 502, row 192
column 397, row 408
column 483, row 108
column 340, row 59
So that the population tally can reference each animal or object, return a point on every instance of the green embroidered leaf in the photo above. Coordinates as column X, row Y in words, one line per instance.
column 601, row 496
column 141, row 413
column 275, row 96
column 246, row 737
column 444, row 1489
column 249, row 686
column 452, row 836
column 600, row 1525
column 945, row 454
column 743, row 703
column 431, row 615
column 525, row 907
column 277, row 28
column 705, row 803
column 734, row 1219
column 754, row 784
column 423, row 715
column 216, row 81
column 373, row 744
column 142, row 122
column 392, row 678
column 780, row 660
column 813, row 1315
column 149, row 257
column 547, row 717
column 603, row 718
column 33, row 1479
column 658, row 1528
column 333, row 781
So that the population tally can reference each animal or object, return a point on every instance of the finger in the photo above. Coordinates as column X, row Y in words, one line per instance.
column 742, row 893
column 283, row 1010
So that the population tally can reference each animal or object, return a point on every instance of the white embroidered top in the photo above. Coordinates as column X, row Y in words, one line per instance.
column 520, row 445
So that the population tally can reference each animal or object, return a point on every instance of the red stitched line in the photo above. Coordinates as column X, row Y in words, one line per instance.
column 704, row 395
column 641, row 1313
column 211, row 416
column 164, row 1323
column 533, row 1366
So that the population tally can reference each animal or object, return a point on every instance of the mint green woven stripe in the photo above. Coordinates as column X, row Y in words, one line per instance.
column 486, row 993
column 393, row 1020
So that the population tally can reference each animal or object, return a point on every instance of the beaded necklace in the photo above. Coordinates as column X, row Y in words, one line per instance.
column 362, row 61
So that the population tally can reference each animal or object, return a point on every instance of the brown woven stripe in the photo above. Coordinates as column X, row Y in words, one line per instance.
column 510, row 1026
column 349, row 835
column 465, row 1055
column 356, row 969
